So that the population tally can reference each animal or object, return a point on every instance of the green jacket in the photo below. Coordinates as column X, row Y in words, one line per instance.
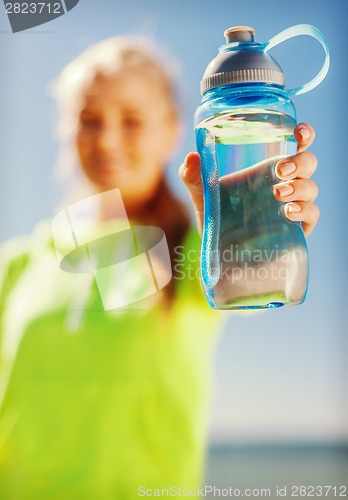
column 95, row 404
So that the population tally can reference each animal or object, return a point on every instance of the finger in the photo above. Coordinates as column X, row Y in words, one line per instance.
column 190, row 174
column 304, row 135
column 305, row 212
column 301, row 165
column 300, row 190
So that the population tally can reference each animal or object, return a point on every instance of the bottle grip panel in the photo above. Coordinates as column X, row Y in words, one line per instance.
column 211, row 230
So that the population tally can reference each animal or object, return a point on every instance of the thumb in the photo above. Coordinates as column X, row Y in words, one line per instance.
column 190, row 174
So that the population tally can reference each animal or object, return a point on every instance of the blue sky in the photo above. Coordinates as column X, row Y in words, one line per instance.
column 280, row 374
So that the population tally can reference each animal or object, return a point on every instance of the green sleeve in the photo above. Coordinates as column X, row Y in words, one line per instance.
column 14, row 258
column 186, row 267
column 189, row 285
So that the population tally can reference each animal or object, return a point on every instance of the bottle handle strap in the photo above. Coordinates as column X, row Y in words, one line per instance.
column 297, row 30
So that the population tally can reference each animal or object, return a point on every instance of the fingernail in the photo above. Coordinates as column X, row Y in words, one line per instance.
column 304, row 133
column 293, row 207
column 284, row 189
column 287, row 168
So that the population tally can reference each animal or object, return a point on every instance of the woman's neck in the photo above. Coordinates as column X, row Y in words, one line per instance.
column 113, row 206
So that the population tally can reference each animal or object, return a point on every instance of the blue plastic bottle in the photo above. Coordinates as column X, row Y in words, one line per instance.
column 252, row 255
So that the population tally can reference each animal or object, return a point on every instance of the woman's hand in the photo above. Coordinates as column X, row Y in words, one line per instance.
column 298, row 193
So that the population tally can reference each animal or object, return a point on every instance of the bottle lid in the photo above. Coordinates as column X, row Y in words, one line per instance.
column 239, row 34
column 241, row 60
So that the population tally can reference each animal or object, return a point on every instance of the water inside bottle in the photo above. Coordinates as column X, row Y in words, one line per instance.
column 262, row 256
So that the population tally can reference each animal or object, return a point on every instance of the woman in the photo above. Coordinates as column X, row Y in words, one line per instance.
column 106, row 404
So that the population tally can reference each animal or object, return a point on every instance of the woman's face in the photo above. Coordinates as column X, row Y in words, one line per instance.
column 126, row 134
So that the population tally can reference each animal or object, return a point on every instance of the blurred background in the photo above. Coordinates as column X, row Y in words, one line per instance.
column 279, row 411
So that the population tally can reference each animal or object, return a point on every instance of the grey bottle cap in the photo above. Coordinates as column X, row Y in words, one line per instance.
column 241, row 62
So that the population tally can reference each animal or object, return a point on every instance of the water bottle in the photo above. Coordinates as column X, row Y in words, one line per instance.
column 252, row 255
